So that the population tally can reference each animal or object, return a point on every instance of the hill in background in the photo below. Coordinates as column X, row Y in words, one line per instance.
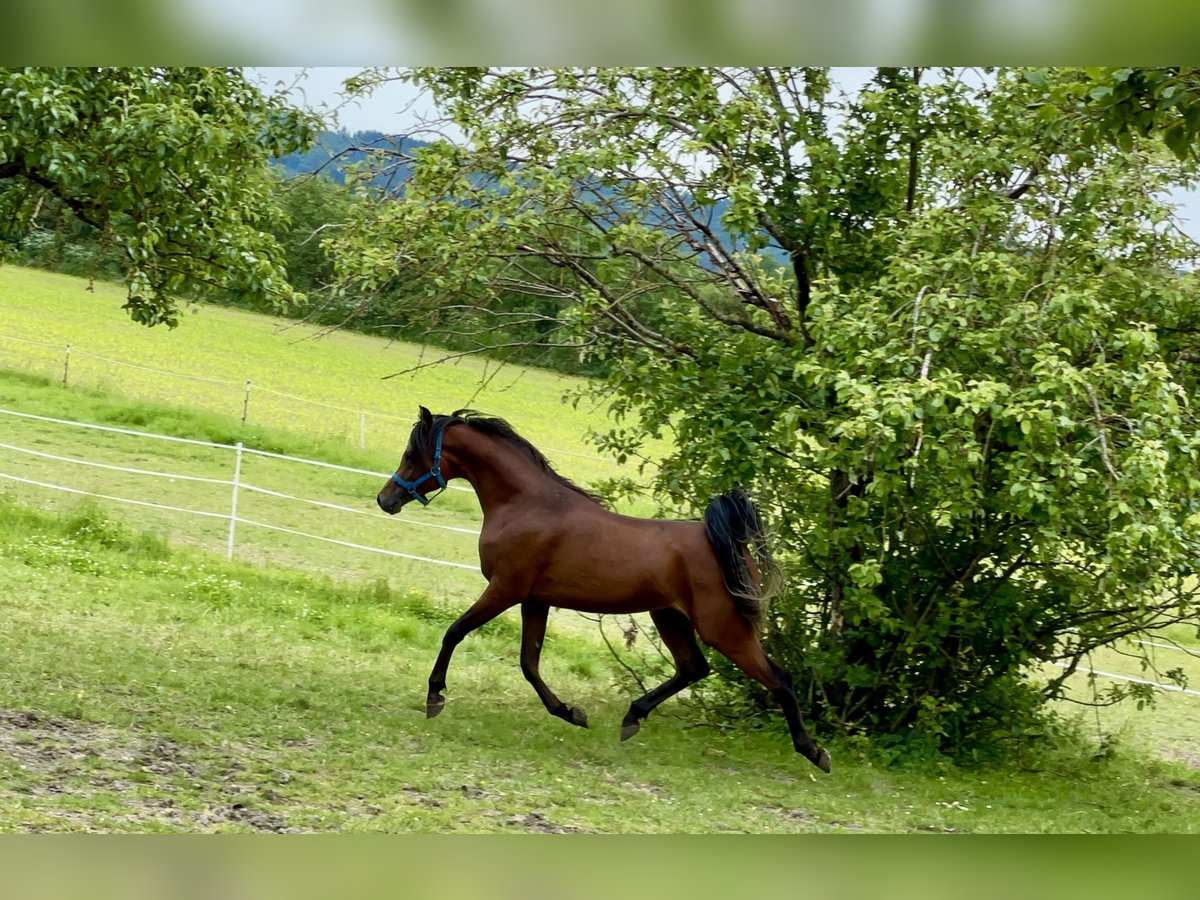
column 337, row 152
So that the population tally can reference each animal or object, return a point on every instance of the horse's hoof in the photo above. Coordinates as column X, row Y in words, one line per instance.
column 578, row 717
column 434, row 706
column 822, row 761
column 628, row 731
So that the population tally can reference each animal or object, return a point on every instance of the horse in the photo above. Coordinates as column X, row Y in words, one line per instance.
column 547, row 542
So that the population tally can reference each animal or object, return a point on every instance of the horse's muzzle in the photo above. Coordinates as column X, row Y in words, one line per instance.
column 393, row 504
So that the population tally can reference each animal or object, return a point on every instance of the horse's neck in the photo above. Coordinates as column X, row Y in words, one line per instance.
column 499, row 472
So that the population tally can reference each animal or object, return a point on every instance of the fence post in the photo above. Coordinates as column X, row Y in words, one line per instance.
column 237, row 478
column 246, row 403
column 67, row 365
column 362, row 431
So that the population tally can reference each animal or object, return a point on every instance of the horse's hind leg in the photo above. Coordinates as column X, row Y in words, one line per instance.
column 690, row 666
column 737, row 641
column 533, row 631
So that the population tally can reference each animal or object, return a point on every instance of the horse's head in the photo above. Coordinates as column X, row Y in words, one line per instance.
column 419, row 474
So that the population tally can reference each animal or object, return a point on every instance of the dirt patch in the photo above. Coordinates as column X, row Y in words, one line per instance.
column 849, row 826
column 649, row 790
column 166, row 758
column 474, row 792
column 243, row 815
column 361, row 808
column 51, row 750
column 420, row 798
column 792, row 815
column 1189, row 757
column 535, row 821
column 64, row 757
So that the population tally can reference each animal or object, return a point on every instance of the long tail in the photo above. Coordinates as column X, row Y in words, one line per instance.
column 735, row 531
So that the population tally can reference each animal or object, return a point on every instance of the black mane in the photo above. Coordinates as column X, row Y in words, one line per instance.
column 497, row 427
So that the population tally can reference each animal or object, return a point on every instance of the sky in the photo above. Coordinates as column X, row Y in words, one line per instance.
column 399, row 109
column 390, row 109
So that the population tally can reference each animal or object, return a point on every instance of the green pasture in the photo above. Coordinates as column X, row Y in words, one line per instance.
column 409, row 532
column 415, row 531
column 341, row 376
column 119, row 373
column 152, row 688
column 147, row 684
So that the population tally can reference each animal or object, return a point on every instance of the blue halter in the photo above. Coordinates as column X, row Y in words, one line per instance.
column 435, row 472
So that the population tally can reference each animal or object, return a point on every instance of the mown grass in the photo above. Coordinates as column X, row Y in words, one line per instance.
column 408, row 533
column 340, row 369
column 145, row 684
column 148, row 688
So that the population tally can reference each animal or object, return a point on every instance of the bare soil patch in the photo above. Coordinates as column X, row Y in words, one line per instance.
column 67, row 758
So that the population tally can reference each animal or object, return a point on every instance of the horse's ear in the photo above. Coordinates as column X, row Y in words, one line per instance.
column 426, row 416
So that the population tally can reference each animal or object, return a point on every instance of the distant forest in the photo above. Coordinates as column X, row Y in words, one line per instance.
column 336, row 153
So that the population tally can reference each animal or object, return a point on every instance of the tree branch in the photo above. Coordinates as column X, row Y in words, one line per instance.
column 743, row 322
column 1101, row 433
column 914, row 148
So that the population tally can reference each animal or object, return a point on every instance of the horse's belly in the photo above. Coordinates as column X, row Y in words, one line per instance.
column 606, row 583
column 601, row 603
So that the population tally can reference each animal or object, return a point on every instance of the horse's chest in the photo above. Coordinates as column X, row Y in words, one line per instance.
column 499, row 545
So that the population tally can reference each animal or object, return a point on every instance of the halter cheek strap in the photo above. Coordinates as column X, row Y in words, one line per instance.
column 435, row 472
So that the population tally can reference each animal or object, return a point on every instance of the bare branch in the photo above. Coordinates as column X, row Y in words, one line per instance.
column 613, row 309
column 738, row 321
column 1018, row 191
column 1101, row 434
column 321, row 228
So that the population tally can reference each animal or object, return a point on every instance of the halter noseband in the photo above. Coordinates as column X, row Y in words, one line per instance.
column 435, row 472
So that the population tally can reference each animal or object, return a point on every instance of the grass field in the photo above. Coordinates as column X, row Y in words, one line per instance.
column 344, row 370
column 409, row 532
column 149, row 688
column 146, row 684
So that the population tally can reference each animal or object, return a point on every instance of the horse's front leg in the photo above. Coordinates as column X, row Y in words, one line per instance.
column 494, row 600
column 533, row 631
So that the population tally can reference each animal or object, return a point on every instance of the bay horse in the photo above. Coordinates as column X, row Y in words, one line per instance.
column 547, row 542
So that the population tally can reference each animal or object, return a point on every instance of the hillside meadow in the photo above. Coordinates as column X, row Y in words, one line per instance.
column 148, row 684
column 444, row 531
column 329, row 388
column 326, row 384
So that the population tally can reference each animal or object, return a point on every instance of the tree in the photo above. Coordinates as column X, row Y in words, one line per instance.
column 313, row 205
column 943, row 336
column 168, row 164
column 1119, row 104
